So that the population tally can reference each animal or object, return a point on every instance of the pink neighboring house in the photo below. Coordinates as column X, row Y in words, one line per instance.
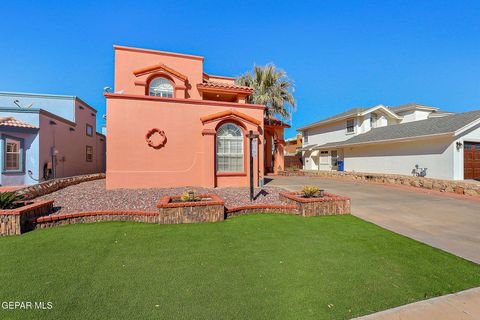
column 171, row 124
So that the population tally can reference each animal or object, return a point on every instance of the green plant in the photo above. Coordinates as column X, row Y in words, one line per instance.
column 310, row 191
column 9, row 199
column 188, row 195
column 273, row 89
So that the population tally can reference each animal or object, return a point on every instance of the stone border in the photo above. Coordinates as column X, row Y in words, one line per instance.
column 165, row 201
column 49, row 186
column 450, row 186
column 17, row 221
column 258, row 208
column 330, row 204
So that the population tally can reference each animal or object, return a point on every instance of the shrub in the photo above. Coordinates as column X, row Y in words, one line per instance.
column 189, row 196
column 9, row 200
column 310, row 191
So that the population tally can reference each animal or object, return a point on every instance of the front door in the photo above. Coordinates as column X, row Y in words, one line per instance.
column 471, row 156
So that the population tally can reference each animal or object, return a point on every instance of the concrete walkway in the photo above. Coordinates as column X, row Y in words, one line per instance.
column 444, row 222
column 463, row 305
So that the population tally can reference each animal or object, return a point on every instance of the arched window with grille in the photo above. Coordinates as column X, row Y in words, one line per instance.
column 230, row 148
column 160, row 87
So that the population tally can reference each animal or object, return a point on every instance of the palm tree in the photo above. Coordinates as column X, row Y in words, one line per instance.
column 273, row 89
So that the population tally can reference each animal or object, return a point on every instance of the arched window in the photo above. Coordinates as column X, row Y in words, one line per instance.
column 229, row 148
column 160, row 87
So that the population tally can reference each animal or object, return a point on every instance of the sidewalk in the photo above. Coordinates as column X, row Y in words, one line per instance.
column 463, row 305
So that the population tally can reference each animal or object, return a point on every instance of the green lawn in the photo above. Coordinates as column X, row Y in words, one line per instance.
column 249, row 267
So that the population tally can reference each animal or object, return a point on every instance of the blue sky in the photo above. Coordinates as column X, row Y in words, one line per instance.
column 340, row 54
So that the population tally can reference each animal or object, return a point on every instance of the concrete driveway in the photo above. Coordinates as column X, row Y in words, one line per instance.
column 441, row 221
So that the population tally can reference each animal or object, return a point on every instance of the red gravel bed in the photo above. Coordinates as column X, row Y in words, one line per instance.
column 92, row 196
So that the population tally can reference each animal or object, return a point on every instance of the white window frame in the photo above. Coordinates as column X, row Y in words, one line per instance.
column 230, row 154
column 18, row 142
column 164, row 88
column 352, row 126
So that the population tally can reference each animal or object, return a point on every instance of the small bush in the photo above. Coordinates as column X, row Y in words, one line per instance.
column 310, row 191
column 9, row 200
column 188, row 196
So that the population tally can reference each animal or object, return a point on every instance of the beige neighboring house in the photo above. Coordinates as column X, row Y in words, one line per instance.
column 293, row 145
column 410, row 139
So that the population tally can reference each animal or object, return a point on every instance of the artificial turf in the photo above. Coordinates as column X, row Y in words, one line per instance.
column 249, row 267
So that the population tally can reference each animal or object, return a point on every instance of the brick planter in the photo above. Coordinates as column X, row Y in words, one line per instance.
column 330, row 204
column 17, row 221
column 212, row 210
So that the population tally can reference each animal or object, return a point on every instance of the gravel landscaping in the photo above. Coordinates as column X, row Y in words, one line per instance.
column 92, row 196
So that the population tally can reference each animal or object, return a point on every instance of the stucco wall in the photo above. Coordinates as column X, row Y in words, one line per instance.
column 400, row 158
column 188, row 156
column 126, row 61
column 413, row 115
column 71, row 146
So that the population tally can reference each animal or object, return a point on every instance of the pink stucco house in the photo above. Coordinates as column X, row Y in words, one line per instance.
column 170, row 123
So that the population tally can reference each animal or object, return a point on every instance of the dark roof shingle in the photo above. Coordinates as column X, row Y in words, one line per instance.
column 427, row 127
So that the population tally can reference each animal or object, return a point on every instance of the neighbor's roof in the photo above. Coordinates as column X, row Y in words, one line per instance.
column 393, row 110
column 47, row 96
column 349, row 113
column 354, row 112
column 410, row 106
column 12, row 122
column 412, row 130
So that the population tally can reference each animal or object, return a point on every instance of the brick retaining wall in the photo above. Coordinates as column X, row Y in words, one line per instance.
column 330, row 204
column 169, row 212
column 53, row 185
column 459, row 187
column 282, row 209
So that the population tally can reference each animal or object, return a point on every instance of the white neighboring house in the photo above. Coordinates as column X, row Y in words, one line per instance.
column 411, row 139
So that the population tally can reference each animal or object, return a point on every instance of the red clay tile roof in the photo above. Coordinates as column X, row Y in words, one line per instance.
column 224, row 85
column 12, row 122
column 274, row 122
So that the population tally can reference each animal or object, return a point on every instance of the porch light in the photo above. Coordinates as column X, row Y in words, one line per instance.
column 459, row 145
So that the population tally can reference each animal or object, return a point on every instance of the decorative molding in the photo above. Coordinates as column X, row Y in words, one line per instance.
column 183, row 100
column 229, row 114
column 162, row 67
column 206, row 132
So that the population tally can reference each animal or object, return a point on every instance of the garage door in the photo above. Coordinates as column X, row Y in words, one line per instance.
column 471, row 160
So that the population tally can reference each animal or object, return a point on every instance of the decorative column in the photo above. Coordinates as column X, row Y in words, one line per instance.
column 268, row 152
